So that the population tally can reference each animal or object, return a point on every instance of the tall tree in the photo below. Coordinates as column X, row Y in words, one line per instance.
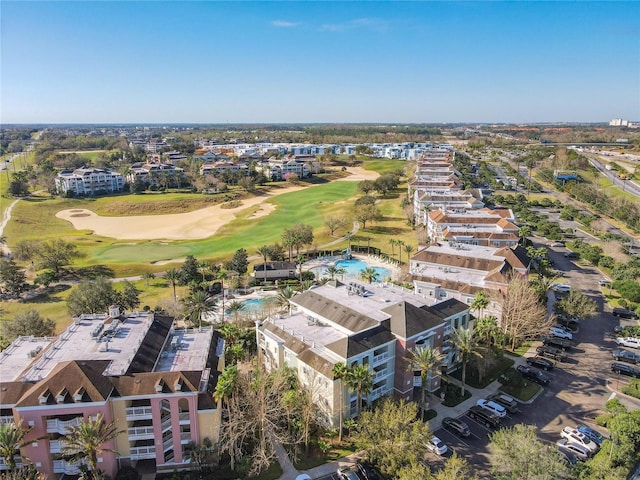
column 87, row 440
column 239, row 263
column 148, row 276
column 12, row 439
column 455, row 468
column 264, row 251
column 576, row 304
column 340, row 372
column 190, row 270
column 28, row 323
column 335, row 223
column 360, row 380
column 400, row 244
column 369, row 274
column 518, row 454
column 467, row 346
column 91, row 296
column 427, row 360
column 56, row 254
column 234, row 308
column 392, row 437
column 197, row 304
column 480, row 302
column 173, row 276
column 13, row 277
column 408, row 250
column 523, row 233
column 284, row 295
column 393, row 242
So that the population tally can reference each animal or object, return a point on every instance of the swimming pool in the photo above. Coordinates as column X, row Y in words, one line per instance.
column 254, row 305
column 354, row 266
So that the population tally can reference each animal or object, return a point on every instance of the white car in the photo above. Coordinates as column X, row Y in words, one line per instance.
column 628, row 342
column 561, row 288
column 574, row 448
column 572, row 435
column 437, row 446
column 493, row 407
column 561, row 333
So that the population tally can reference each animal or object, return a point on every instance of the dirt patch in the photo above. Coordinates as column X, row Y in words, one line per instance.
column 358, row 174
column 264, row 210
column 165, row 262
column 75, row 215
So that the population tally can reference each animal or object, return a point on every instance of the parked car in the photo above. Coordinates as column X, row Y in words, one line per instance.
column 437, row 446
column 578, row 450
column 561, row 288
column 493, row 407
column 571, row 324
column 568, row 457
column 574, row 436
column 456, row 426
column 630, row 342
column 557, row 244
column 506, row 401
column 560, row 332
column 348, row 473
column 572, row 255
column 540, row 362
column 557, row 342
column 533, row 375
column 592, row 434
column 368, row 471
column 625, row 369
column 484, row 416
column 626, row 356
column 624, row 313
column 552, row 352
column 604, row 282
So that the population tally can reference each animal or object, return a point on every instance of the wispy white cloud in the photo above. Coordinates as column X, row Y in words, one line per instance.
column 285, row 24
column 375, row 24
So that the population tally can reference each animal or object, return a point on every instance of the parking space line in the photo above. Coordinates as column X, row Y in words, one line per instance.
column 457, row 439
column 479, row 424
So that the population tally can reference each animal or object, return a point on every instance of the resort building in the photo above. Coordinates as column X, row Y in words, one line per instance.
column 274, row 270
column 496, row 220
column 460, row 271
column 88, row 181
column 356, row 323
column 153, row 380
column 155, row 173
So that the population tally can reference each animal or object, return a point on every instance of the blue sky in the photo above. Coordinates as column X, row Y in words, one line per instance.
column 246, row 62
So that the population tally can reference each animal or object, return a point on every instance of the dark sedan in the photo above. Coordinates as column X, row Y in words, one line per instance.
column 625, row 369
column 626, row 356
column 456, row 426
column 533, row 375
column 552, row 352
column 540, row 362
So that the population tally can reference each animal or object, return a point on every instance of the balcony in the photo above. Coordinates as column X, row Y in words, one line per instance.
column 184, row 418
column 55, row 446
column 383, row 357
column 3, row 464
column 166, row 424
column 140, row 433
column 6, row 419
column 61, row 426
column 68, row 468
column 185, row 437
column 167, row 444
column 381, row 374
column 140, row 453
column 379, row 392
column 138, row 413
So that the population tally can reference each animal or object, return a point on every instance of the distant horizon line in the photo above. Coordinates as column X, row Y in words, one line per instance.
column 391, row 124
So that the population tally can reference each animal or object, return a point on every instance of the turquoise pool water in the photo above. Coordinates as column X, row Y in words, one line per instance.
column 254, row 305
column 354, row 266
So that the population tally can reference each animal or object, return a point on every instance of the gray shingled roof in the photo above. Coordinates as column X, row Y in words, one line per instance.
column 448, row 308
column 361, row 342
column 408, row 320
column 335, row 312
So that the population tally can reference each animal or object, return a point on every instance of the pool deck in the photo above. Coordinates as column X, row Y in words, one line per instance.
column 370, row 260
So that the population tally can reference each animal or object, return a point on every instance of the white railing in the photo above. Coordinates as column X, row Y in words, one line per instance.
column 140, row 433
column 417, row 381
column 62, row 426
column 167, row 444
column 184, row 417
column 380, row 358
column 185, row 437
column 6, row 419
column 380, row 391
column 3, row 464
column 55, row 446
column 380, row 374
column 138, row 413
column 139, row 453
column 166, row 424
column 69, row 468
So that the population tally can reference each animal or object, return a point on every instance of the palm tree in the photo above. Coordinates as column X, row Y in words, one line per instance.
column 369, row 274
column 265, row 251
column 204, row 267
column 467, row 346
column 486, row 329
column 222, row 276
column 340, row 372
column 284, row 295
column 148, row 276
column 480, row 302
column 409, row 250
column 393, row 242
column 197, row 304
column 12, row 439
column 360, row 380
column 523, row 233
column 332, row 271
column 86, row 441
column 225, row 387
column 173, row 275
column 427, row 360
column 400, row 244
column 235, row 307
column 300, row 261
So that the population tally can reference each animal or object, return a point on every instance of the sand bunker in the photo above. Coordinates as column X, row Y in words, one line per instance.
column 194, row 225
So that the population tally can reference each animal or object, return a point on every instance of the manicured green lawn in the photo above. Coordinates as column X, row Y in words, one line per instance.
column 522, row 393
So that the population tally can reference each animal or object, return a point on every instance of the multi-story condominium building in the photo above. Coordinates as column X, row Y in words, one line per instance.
column 216, row 169
column 154, row 173
column 155, row 382
column 356, row 323
column 278, row 168
column 460, row 271
column 427, row 201
column 89, row 181
column 439, row 220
